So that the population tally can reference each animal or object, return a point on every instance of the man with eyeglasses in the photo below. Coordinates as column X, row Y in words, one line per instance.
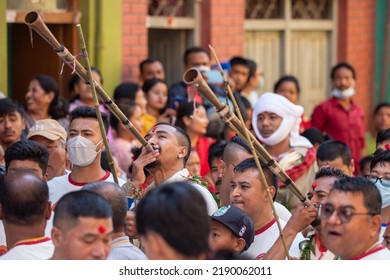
column 380, row 176
column 313, row 247
column 350, row 220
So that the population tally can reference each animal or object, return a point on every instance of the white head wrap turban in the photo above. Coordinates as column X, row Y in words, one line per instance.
column 291, row 114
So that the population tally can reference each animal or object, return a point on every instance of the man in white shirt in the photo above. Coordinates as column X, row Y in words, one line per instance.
column 251, row 196
column 84, row 147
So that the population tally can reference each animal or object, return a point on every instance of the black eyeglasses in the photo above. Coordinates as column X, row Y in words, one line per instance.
column 384, row 182
column 344, row 213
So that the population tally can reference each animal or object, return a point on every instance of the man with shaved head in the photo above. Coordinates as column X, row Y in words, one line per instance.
column 25, row 209
column 121, row 248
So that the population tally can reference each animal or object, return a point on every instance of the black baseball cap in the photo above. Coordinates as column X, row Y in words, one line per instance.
column 237, row 221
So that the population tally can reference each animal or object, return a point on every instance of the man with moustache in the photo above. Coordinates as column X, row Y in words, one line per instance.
column 312, row 248
column 250, row 195
column 12, row 122
column 351, row 220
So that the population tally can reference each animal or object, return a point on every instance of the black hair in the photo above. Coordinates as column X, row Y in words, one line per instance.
column 364, row 161
column 250, row 163
column 178, row 213
column 342, row 65
column 128, row 108
column 185, row 109
column 332, row 149
column 380, row 106
column 381, row 157
column 238, row 60
column 287, row 78
column 371, row 196
column 216, row 151
column 8, row 105
column 147, row 61
column 252, row 65
column 116, row 197
column 27, row 150
column 382, row 136
column 24, row 198
column 239, row 141
column 104, row 161
column 150, row 83
column 85, row 112
column 59, row 107
column 126, row 91
column 75, row 79
column 75, row 205
column 315, row 136
column 328, row 171
column 182, row 139
column 190, row 51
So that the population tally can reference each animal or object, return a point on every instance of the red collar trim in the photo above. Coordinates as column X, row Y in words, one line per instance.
column 321, row 248
column 380, row 247
column 83, row 184
column 264, row 228
column 32, row 241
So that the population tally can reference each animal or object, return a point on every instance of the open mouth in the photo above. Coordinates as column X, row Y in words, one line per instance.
column 333, row 233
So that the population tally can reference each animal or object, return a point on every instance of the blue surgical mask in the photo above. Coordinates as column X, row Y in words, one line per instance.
column 385, row 193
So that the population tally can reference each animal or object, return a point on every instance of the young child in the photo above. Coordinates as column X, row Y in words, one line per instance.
column 231, row 230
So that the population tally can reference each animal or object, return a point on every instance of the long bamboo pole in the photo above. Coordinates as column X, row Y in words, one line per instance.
column 253, row 151
column 34, row 22
column 92, row 84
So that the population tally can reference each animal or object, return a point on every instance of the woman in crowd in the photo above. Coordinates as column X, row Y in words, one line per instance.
column 156, row 93
column 288, row 86
column 192, row 118
column 131, row 92
column 124, row 142
column 82, row 92
column 43, row 101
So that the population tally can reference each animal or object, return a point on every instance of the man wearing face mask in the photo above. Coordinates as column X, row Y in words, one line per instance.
column 340, row 117
column 84, row 147
column 380, row 176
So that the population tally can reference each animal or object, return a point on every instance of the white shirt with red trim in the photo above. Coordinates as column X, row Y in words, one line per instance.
column 266, row 237
column 59, row 186
column 380, row 252
column 38, row 249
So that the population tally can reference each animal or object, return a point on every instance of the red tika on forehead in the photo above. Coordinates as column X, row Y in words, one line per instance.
column 101, row 229
column 154, row 128
column 314, row 185
column 387, row 147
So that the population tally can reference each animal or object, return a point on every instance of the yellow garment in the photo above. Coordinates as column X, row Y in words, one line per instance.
column 148, row 122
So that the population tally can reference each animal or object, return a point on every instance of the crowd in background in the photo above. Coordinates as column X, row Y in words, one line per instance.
column 328, row 155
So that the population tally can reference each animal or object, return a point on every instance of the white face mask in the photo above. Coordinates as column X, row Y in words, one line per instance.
column 82, row 151
column 343, row 94
column 385, row 193
column 203, row 68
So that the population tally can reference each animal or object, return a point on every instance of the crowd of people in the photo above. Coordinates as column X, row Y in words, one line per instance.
column 199, row 194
